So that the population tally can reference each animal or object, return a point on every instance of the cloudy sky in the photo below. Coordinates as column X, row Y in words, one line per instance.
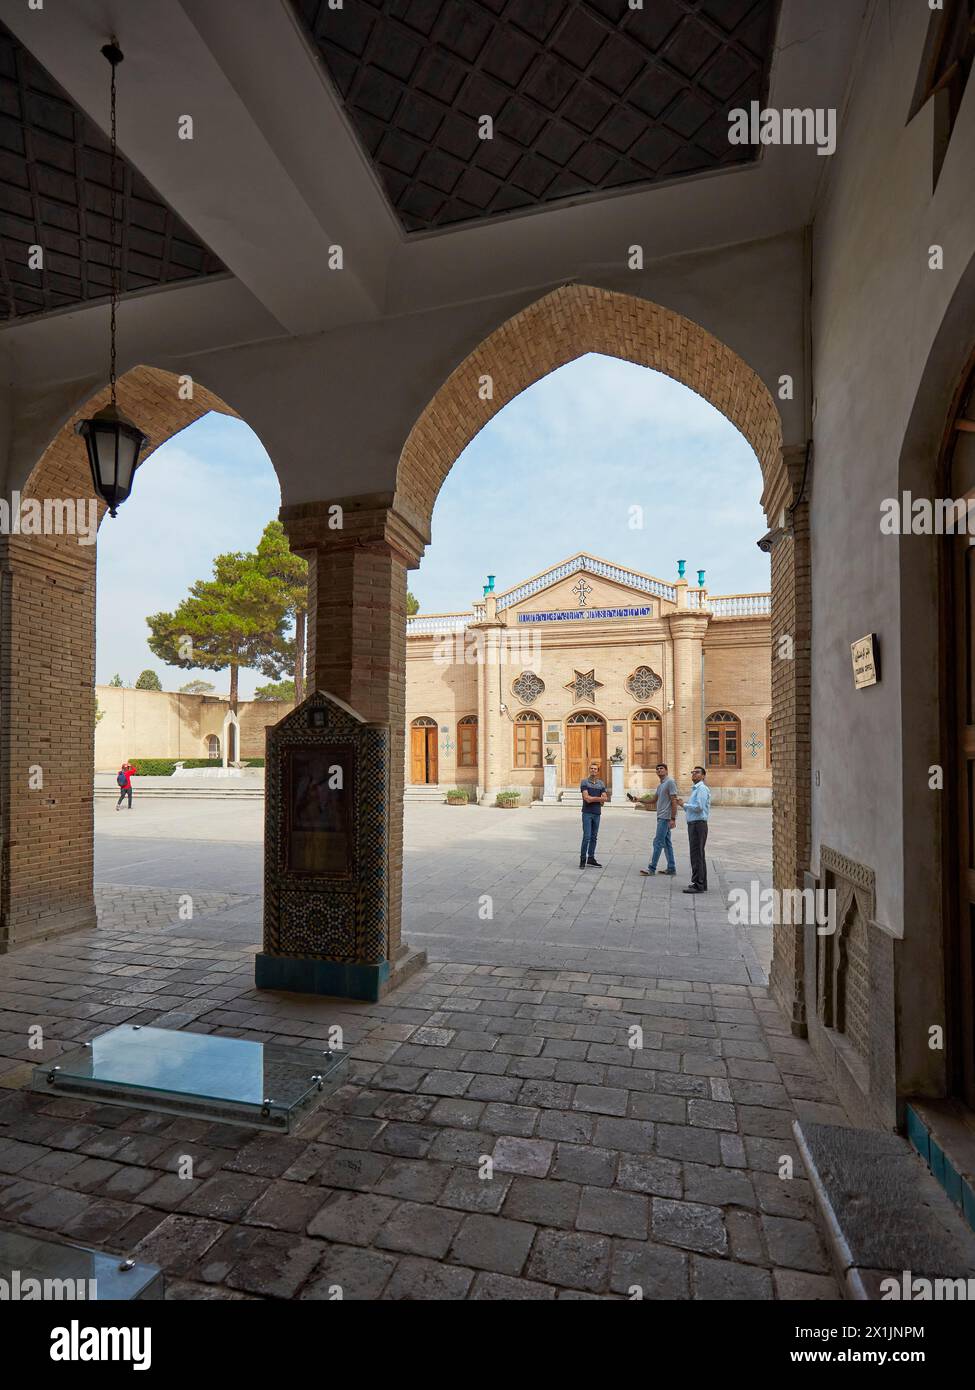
column 562, row 468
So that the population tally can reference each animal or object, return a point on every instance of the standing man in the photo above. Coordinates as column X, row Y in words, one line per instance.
column 593, row 796
column 666, row 820
column 697, row 808
column 124, row 780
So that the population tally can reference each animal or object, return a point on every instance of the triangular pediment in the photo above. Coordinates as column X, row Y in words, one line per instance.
column 585, row 581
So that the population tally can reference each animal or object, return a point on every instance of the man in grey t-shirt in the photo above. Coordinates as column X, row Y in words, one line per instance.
column 666, row 820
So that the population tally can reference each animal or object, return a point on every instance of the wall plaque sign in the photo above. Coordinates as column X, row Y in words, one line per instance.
column 866, row 661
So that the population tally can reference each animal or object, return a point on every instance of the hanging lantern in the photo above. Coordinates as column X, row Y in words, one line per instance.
column 113, row 442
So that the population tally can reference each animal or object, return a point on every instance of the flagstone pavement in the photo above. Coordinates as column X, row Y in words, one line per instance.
column 606, row 1114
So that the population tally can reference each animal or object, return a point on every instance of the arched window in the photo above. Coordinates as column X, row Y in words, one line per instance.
column 467, row 741
column 528, row 740
column 723, row 740
column 213, row 746
column 647, row 738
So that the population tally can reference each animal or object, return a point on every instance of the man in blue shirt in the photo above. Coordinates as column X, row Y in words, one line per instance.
column 697, row 808
column 593, row 796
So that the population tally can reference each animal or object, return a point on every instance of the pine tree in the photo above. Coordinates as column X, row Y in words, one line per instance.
column 276, row 560
column 148, row 680
column 237, row 618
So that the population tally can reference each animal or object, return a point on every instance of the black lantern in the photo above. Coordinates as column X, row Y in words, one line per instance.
column 114, row 444
column 113, row 441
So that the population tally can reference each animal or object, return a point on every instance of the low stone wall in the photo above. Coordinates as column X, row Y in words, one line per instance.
column 169, row 724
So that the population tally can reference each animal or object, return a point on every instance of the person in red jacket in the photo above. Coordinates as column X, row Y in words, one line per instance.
column 124, row 780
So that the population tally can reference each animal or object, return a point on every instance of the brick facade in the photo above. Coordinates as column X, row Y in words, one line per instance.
column 447, row 679
column 47, row 678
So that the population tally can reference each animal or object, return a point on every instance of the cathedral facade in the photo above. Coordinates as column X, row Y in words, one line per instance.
column 591, row 661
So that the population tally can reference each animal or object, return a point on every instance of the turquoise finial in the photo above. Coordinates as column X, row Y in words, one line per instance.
column 681, row 566
column 700, row 578
column 490, row 587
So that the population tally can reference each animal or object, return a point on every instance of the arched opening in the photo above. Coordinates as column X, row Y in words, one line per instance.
column 567, row 324
column 213, row 746
column 585, row 743
column 722, row 733
column 50, row 664
column 646, row 739
column 423, row 752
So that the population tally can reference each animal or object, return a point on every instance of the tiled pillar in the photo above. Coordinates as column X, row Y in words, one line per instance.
column 357, row 652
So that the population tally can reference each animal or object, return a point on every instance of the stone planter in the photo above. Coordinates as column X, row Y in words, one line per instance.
column 458, row 801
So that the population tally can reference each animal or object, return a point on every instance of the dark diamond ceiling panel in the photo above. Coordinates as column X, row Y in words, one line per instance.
column 55, row 193
column 586, row 96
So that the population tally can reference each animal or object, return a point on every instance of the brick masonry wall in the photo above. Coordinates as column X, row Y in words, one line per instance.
column 47, row 679
column 171, row 724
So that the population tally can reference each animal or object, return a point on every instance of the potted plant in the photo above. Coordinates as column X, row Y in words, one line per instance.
column 508, row 800
column 457, row 796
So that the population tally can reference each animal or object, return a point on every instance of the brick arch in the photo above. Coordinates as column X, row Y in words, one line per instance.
column 47, row 675
column 150, row 397
column 576, row 319
column 563, row 325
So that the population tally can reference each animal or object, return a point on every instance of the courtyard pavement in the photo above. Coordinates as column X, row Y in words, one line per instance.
column 607, row 1043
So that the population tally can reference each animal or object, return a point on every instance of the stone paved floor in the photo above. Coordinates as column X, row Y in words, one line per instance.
column 481, row 885
column 613, row 1167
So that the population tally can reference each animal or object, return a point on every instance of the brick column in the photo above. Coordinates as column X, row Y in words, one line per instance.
column 491, row 723
column 687, row 629
column 357, row 648
column 786, row 504
column 47, row 737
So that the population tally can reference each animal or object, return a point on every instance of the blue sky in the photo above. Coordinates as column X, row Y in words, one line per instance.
column 556, row 471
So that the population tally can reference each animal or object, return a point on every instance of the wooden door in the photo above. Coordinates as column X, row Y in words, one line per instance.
column 596, row 748
column 575, row 754
column 432, row 771
column 584, row 743
column 423, row 754
column 418, row 756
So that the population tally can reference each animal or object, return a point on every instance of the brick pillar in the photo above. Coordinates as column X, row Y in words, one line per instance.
column 47, row 737
column 687, row 629
column 357, row 644
column 786, row 503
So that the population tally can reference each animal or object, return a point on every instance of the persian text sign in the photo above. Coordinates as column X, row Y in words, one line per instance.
column 574, row 615
column 866, row 666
